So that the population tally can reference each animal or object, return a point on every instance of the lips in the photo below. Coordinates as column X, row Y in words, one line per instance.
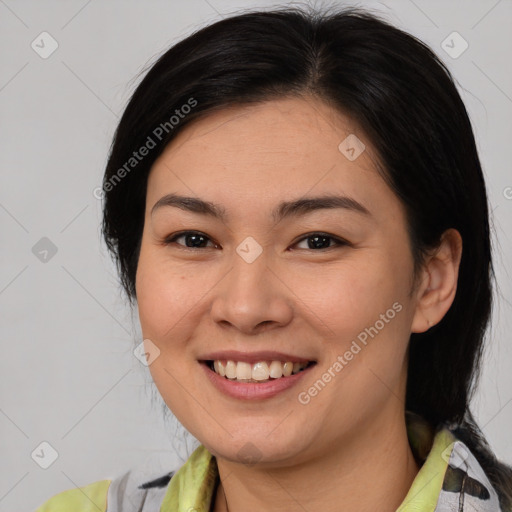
column 250, row 390
column 254, row 375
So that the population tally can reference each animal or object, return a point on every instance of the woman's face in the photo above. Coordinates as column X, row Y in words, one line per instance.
column 267, row 278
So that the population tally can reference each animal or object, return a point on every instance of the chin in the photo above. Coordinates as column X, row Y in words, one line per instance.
column 251, row 449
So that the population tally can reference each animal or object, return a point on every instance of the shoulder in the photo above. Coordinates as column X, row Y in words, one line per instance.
column 133, row 488
column 92, row 497
column 143, row 488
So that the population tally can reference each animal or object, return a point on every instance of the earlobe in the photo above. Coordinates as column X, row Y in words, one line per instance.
column 437, row 291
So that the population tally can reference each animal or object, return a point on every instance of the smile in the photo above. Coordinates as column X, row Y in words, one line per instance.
column 238, row 383
column 261, row 371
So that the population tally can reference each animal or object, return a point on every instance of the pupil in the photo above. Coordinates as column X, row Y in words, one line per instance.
column 189, row 237
column 316, row 244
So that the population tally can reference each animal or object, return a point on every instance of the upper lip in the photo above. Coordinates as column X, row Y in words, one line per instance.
column 253, row 357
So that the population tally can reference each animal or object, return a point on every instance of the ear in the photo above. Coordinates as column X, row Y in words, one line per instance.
column 436, row 292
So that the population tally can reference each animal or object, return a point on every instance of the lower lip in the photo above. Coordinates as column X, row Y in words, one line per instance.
column 252, row 390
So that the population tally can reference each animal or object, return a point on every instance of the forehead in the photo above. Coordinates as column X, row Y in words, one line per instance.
column 277, row 149
column 287, row 129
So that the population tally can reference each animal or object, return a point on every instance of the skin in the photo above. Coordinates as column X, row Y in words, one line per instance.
column 310, row 302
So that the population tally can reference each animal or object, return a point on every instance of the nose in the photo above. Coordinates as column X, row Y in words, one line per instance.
column 252, row 297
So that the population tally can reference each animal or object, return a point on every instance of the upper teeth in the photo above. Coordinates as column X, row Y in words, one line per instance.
column 259, row 371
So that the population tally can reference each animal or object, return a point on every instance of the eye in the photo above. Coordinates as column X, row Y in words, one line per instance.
column 196, row 238
column 321, row 241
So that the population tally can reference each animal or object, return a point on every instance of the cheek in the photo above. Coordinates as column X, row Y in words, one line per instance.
column 350, row 294
column 164, row 296
column 365, row 303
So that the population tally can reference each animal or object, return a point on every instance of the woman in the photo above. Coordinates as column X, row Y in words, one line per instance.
column 297, row 208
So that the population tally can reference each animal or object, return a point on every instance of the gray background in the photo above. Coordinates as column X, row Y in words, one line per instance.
column 69, row 376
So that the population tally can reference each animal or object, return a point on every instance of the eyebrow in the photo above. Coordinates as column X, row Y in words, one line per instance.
column 285, row 209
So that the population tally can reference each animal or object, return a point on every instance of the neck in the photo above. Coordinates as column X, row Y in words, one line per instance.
column 372, row 470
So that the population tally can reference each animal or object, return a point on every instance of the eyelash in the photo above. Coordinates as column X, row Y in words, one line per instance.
column 339, row 242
